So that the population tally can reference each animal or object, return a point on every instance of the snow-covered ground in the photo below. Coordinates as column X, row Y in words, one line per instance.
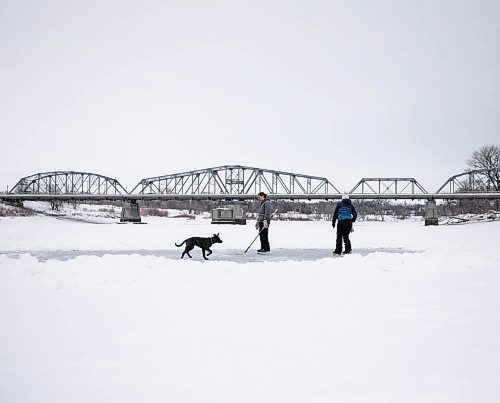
column 108, row 313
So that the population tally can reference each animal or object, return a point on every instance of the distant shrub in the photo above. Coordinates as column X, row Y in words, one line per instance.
column 190, row 216
column 11, row 211
column 154, row 212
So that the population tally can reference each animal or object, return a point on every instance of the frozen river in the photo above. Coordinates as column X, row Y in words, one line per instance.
column 109, row 313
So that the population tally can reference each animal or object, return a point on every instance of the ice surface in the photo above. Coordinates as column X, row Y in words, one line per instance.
column 109, row 313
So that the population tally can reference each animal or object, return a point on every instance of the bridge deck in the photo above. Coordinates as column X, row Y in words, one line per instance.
column 245, row 197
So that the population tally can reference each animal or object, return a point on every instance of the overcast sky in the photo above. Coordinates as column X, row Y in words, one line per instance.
column 341, row 89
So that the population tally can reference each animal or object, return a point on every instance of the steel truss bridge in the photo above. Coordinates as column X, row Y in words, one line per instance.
column 236, row 182
column 234, row 179
column 68, row 183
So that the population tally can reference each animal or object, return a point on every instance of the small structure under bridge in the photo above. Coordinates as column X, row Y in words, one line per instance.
column 240, row 183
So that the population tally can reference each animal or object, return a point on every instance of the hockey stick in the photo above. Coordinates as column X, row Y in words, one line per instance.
column 249, row 246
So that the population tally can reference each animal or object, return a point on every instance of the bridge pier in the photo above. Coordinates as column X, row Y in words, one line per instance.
column 13, row 202
column 431, row 216
column 131, row 212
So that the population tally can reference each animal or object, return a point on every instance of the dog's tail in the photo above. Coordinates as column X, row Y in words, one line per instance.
column 180, row 244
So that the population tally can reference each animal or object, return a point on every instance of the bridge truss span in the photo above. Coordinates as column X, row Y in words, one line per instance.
column 68, row 183
column 479, row 180
column 386, row 186
column 234, row 180
column 237, row 182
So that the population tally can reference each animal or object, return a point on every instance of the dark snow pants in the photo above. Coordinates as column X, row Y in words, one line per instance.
column 343, row 230
column 264, row 237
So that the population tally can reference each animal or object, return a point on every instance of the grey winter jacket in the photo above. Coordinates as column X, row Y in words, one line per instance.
column 264, row 211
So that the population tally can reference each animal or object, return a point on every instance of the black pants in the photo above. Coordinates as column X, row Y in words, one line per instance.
column 343, row 230
column 264, row 237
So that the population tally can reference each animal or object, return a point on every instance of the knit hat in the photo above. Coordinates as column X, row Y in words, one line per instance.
column 345, row 196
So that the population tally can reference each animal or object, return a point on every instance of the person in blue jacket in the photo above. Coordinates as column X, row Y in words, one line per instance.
column 346, row 214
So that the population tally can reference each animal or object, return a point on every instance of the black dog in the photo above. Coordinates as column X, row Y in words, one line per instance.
column 203, row 243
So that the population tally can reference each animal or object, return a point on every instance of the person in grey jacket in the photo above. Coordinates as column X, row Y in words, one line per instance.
column 263, row 221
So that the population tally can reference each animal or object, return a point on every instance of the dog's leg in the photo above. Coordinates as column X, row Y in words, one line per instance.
column 209, row 252
column 187, row 250
column 203, row 251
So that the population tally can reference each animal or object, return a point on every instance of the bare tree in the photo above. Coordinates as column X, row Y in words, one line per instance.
column 56, row 205
column 488, row 158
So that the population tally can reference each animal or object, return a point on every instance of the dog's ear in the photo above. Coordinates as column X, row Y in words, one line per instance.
column 217, row 234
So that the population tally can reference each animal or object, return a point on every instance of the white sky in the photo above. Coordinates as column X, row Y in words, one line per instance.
column 341, row 89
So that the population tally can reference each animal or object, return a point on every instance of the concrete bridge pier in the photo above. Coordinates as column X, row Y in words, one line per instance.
column 431, row 216
column 131, row 212
column 14, row 202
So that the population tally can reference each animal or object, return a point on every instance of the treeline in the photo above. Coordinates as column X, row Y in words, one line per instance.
column 318, row 210
column 325, row 209
column 456, row 207
column 322, row 209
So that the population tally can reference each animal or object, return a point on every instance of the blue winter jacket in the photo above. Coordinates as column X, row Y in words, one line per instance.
column 345, row 211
